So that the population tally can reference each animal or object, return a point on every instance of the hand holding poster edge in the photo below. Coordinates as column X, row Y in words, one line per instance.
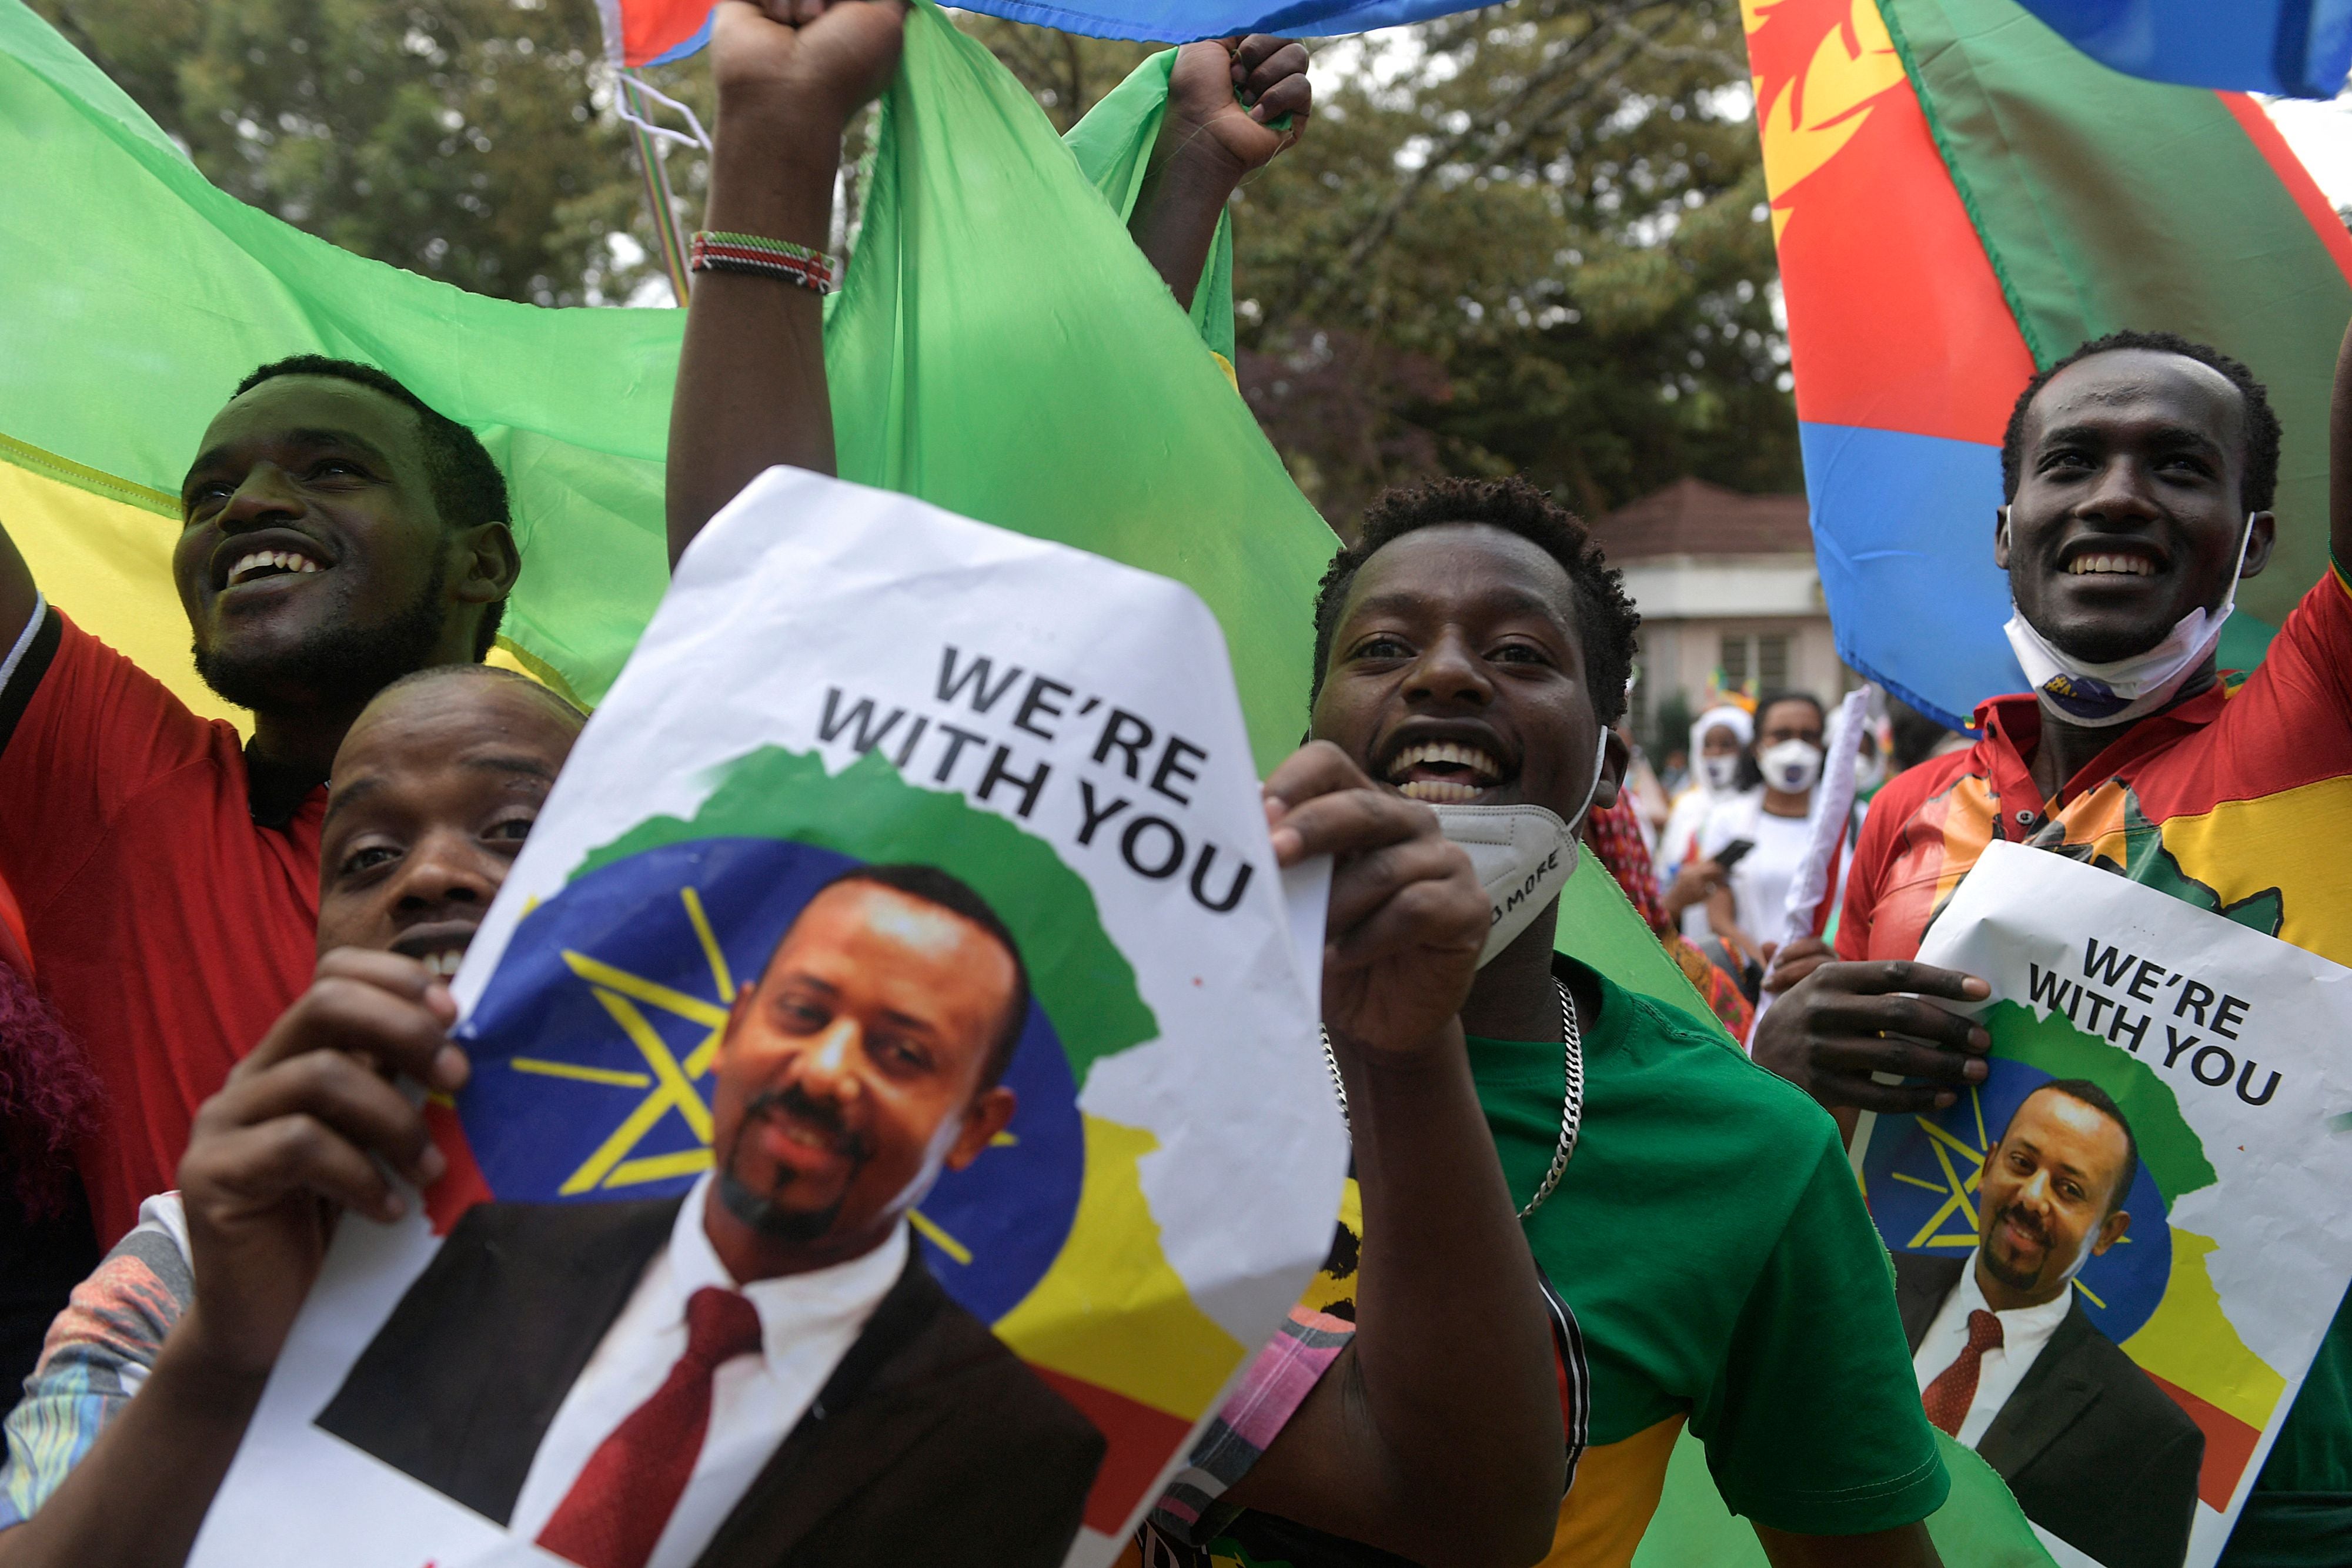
column 712, row 607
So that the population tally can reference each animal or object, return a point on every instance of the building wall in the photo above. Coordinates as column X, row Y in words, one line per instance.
column 1768, row 607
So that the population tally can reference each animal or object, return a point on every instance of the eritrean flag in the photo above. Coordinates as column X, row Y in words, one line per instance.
column 1960, row 195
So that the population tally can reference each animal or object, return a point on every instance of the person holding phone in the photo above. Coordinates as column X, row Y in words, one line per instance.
column 1755, row 841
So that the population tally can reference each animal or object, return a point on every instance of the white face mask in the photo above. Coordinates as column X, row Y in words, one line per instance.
column 1793, row 767
column 1869, row 772
column 1721, row 773
column 1523, row 855
column 2122, row 690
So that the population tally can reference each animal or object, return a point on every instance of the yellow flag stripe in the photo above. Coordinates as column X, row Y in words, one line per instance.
column 709, row 1015
column 584, row 1074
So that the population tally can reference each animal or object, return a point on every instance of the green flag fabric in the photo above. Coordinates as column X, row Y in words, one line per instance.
column 1979, row 1524
column 1001, row 349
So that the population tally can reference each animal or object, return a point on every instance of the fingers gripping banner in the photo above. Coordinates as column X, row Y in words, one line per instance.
column 905, row 924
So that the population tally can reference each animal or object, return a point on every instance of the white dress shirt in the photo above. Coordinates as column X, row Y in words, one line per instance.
column 808, row 1322
column 2023, row 1333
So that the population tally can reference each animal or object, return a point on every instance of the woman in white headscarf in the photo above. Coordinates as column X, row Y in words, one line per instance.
column 1718, row 740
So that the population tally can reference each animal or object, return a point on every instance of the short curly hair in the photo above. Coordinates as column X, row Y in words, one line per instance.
column 1605, row 619
column 468, row 488
column 2258, row 485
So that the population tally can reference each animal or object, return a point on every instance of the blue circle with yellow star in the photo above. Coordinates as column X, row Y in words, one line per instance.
column 594, row 1042
column 1922, row 1175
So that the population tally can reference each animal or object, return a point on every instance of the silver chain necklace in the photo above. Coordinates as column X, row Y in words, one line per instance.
column 1571, row 1104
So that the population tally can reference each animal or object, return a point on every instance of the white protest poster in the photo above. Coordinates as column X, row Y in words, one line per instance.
column 903, row 936
column 2147, row 1195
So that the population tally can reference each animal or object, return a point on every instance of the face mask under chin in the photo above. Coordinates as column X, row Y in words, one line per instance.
column 1523, row 855
column 2117, row 691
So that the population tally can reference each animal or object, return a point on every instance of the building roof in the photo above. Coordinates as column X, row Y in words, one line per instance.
column 1690, row 517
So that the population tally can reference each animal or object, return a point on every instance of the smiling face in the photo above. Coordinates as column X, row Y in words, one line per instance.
column 2048, row 1192
column 313, row 562
column 1456, row 675
column 851, row 1074
column 2127, row 513
column 434, row 791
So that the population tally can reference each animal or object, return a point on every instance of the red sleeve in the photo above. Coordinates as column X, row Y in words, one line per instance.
column 1872, row 853
column 82, row 731
column 2308, row 668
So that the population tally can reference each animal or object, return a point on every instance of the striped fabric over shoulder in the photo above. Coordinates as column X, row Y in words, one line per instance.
column 98, row 1352
column 1186, row 1529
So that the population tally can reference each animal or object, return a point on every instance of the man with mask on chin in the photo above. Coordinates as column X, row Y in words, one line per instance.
column 1691, row 1212
column 336, row 534
column 763, row 1372
column 2140, row 472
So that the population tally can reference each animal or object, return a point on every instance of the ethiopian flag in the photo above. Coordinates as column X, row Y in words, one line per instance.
column 1001, row 350
column 1959, row 197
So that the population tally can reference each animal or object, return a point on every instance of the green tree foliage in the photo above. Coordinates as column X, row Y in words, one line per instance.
column 461, row 138
column 1529, row 238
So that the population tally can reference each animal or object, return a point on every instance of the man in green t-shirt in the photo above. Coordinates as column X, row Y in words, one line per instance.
column 1707, row 1234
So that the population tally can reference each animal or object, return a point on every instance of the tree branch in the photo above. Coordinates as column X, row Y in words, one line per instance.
column 1606, row 25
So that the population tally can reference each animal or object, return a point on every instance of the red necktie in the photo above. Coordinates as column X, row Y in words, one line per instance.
column 618, row 1508
column 1955, row 1389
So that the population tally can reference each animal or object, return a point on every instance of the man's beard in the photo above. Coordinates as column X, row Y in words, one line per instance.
column 2016, row 1281
column 761, row 1210
column 339, row 664
column 2004, row 1272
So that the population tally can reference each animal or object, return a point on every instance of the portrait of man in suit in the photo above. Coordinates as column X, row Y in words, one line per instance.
column 2010, row 1364
column 762, row 1372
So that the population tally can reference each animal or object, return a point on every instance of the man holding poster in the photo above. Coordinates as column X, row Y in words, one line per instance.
column 2140, row 472
column 618, row 1374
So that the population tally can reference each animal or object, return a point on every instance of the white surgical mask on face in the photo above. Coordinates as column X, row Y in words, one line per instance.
column 1523, row 855
column 1869, row 772
column 1721, row 773
column 2121, row 690
column 1793, row 767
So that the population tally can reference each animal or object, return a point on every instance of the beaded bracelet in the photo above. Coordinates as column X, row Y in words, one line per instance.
column 812, row 269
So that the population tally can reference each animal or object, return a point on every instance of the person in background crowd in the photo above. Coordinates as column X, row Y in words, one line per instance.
column 1718, row 740
column 47, row 1092
column 1913, row 737
column 1675, row 774
column 2139, row 473
column 1644, row 792
column 1782, row 766
column 437, row 783
column 336, row 534
column 1696, row 1213
column 1870, row 773
column 1441, row 1434
column 1614, row 834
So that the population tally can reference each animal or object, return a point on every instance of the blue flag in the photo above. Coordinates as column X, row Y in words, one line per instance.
column 2298, row 47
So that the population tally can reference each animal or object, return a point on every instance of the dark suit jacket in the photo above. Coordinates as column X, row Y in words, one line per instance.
column 930, row 1443
column 2097, row 1455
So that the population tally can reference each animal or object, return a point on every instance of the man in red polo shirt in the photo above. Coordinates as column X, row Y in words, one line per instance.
column 2139, row 473
column 337, row 535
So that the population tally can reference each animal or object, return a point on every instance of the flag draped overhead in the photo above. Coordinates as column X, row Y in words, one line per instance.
column 1960, row 195
column 2298, row 46
column 139, row 294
